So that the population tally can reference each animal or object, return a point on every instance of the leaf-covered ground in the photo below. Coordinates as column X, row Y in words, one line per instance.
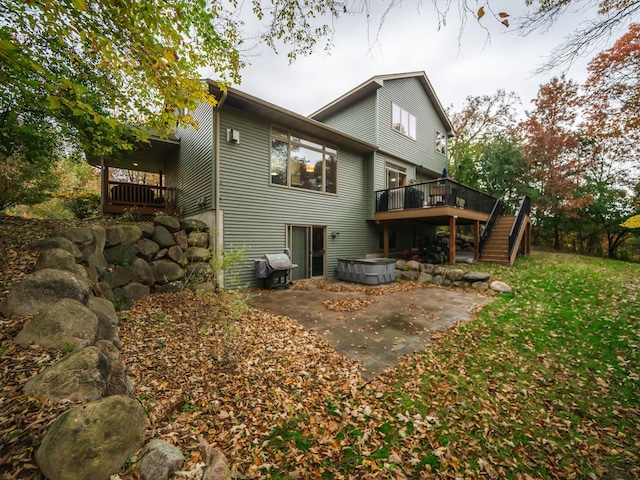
column 544, row 383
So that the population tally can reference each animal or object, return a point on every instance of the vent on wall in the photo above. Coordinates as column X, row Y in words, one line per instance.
column 233, row 136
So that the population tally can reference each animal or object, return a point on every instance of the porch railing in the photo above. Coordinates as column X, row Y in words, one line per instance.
column 121, row 196
column 523, row 210
column 496, row 211
column 435, row 193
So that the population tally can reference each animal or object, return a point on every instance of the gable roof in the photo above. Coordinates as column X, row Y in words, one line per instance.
column 374, row 83
column 288, row 119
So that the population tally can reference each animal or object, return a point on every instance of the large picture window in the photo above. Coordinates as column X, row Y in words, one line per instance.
column 402, row 121
column 302, row 163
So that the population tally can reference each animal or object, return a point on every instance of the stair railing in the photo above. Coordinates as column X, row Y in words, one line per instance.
column 496, row 211
column 523, row 210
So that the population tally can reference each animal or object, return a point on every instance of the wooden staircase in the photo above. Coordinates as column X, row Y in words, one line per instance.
column 497, row 248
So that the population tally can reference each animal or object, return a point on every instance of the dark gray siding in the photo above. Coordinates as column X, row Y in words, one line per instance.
column 193, row 173
column 359, row 120
column 409, row 94
column 256, row 213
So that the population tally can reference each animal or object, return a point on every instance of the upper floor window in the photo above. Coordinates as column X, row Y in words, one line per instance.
column 396, row 175
column 441, row 143
column 402, row 121
column 302, row 163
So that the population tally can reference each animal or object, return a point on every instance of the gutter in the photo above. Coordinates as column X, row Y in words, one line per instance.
column 219, row 235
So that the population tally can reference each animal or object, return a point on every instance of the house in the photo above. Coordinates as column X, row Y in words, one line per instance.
column 360, row 176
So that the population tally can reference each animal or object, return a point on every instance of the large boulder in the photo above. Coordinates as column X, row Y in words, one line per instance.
column 147, row 248
column 163, row 237
column 92, row 441
column 114, row 235
column 59, row 259
column 499, row 286
column 191, row 224
column 176, row 254
column 42, row 289
column 472, row 277
column 198, row 239
column 136, row 291
column 181, row 239
column 132, row 233
column 117, row 380
column 170, row 223
column 197, row 254
column 56, row 242
column 92, row 254
column 80, row 376
column 117, row 277
column 454, row 274
column 160, row 460
column 65, row 325
column 141, row 272
column 107, row 319
column 166, row 271
column 123, row 254
column 81, row 236
column 146, row 228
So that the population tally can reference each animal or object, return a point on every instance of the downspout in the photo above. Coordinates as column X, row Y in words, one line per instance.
column 219, row 236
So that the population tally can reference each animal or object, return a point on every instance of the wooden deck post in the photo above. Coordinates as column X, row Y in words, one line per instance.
column 385, row 241
column 476, row 241
column 452, row 241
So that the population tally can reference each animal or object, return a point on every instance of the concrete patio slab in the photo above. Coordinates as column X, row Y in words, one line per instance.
column 378, row 334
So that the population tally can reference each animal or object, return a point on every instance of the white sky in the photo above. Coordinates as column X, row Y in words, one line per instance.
column 410, row 41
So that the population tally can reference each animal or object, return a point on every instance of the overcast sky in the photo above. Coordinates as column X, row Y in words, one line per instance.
column 410, row 41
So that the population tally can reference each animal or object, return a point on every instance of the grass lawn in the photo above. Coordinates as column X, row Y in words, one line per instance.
column 543, row 383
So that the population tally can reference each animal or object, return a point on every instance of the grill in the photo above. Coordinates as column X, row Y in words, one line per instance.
column 275, row 268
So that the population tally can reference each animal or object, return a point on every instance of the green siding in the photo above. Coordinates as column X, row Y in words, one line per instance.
column 256, row 213
column 193, row 172
column 409, row 94
column 359, row 120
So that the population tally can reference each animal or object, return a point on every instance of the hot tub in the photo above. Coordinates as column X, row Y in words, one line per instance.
column 368, row 271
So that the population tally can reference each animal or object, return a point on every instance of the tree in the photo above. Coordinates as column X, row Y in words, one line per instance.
column 552, row 150
column 28, row 152
column 481, row 117
column 91, row 69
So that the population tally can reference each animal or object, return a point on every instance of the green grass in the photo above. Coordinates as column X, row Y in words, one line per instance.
column 544, row 383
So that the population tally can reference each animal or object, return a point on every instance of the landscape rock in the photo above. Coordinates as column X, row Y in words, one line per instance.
column 147, row 248
column 117, row 277
column 480, row 286
column 162, row 237
column 400, row 264
column 408, row 274
column 79, row 376
column 67, row 324
column 166, row 271
column 81, row 236
column 116, row 383
column 197, row 254
column 454, row 274
column 136, row 291
column 170, row 223
column 439, row 270
column 176, row 254
column 107, row 319
column 476, row 277
column 198, row 239
column 114, row 236
column 198, row 272
column 160, row 460
column 191, row 224
column 92, row 441
column 499, row 286
column 425, row 277
column 121, row 300
column 162, row 253
column 105, row 291
column 217, row 467
column 427, row 267
column 90, row 273
column 181, row 239
column 56, row 242
column 146, row 229
column 42, row 289
column 141, row 272
column 123, row 254
column 171, row 287
column 59, row 259
column 413, row 265
column 132, row 233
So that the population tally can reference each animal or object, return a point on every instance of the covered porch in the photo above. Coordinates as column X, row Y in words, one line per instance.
column 442, row 202
column 136, row 180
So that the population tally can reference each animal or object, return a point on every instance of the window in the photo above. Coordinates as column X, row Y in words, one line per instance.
column 396, row 175
column 441, row 143
column 302, row 163
column 402, row 121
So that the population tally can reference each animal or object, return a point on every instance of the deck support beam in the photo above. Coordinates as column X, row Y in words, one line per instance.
column 476, row 241
column 452, row 240
column 385, row 241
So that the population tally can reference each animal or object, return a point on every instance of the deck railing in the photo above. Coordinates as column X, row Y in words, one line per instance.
column 523, row 210
column 435, row 193
column 121, row 196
